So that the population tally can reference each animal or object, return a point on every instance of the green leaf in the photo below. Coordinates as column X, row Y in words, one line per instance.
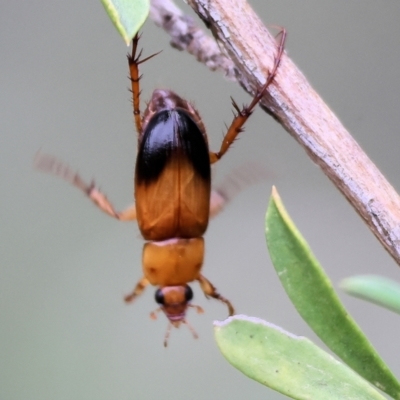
column 312, row 293
column 376, row 289
column 289, row 364
column 127, row 15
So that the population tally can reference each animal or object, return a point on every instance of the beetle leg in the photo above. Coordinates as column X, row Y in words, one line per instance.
column 47, row 163
column 134, row 61
column 237, row 180
column 137, row 291
column 153, row 314
column 134, row 77
column 129, row 214
column 241, row 115
column 210, row 291
column 217, row 202
column 198, row 308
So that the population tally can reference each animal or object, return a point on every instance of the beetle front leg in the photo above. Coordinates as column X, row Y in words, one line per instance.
column 47, row 163
column 243, row 114
column 134, row 61
column 210, row 291
column 138, row 290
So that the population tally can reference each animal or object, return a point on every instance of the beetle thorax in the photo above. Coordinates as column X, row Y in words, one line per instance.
column 163, row 99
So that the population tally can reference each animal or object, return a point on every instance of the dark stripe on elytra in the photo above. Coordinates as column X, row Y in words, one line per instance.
column 169, row 133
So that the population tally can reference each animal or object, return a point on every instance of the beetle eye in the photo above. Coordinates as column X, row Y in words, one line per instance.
column 188, row 293
column 159, row 296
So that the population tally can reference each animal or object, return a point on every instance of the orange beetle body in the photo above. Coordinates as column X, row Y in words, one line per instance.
column 173, row 196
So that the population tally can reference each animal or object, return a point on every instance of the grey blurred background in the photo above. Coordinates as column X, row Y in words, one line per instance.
column 65, row 332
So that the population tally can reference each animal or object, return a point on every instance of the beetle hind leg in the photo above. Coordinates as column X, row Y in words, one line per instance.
column 210, row 291
column 48, row 163
column 238, row 179
column 242, row 115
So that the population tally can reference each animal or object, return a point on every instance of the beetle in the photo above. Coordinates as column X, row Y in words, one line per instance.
column 172, row 190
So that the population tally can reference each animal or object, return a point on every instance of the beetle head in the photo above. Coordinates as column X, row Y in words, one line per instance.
column 173, row 300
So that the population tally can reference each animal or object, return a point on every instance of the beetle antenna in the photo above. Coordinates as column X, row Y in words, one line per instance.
column 191, row 329
column 167, row 333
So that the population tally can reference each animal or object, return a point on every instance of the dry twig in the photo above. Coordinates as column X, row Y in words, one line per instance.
column 187, row 36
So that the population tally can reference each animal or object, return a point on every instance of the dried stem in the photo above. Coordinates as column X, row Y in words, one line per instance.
column 187, row 36
column 300, row 110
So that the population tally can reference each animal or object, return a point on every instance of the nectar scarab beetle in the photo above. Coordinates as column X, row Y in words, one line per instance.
column 173, row 195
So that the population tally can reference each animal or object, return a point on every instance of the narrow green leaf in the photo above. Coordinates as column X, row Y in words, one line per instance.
column 376, row 289
column 311, row 292
column 289, row 364
column 127, row 15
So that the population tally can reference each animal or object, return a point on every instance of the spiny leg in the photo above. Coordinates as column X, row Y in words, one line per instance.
column 48, row 163
column 134, row 62
column 242, row 115
column 137, row 291
column 209, row 290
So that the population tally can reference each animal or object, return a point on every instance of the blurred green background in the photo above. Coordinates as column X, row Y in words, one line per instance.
column 65, row 332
